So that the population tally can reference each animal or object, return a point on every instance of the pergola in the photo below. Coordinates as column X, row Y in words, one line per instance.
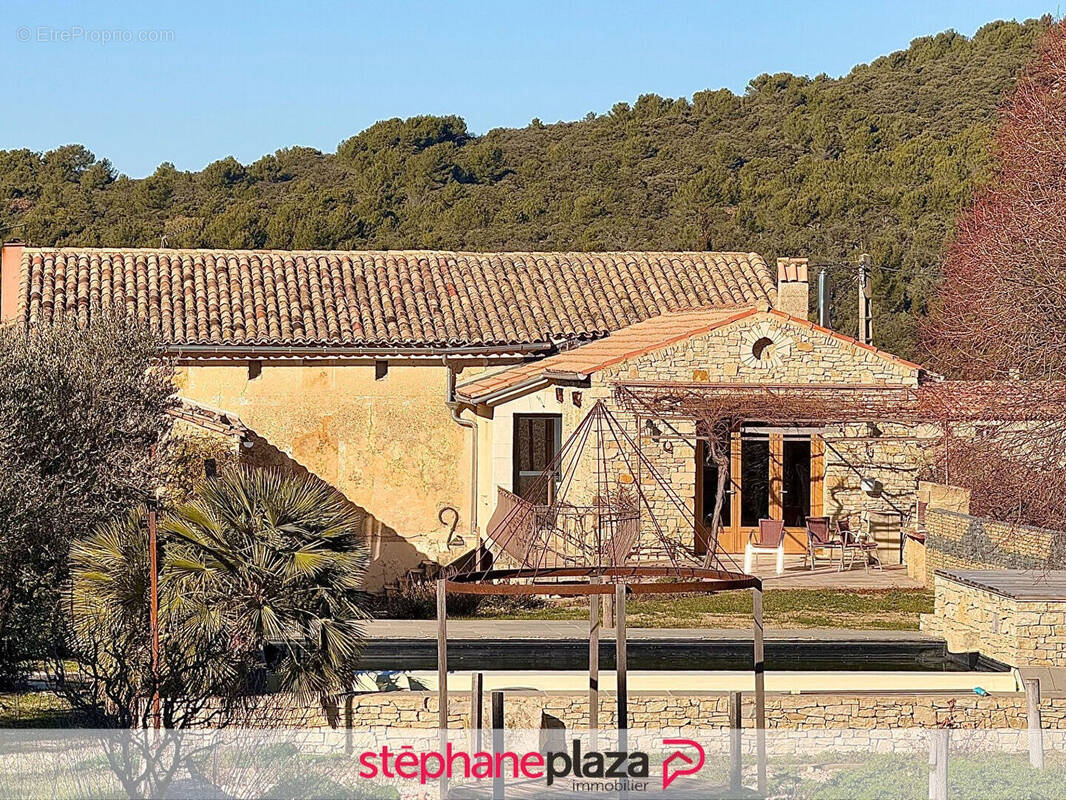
column 608, row 542
column 1012, row 425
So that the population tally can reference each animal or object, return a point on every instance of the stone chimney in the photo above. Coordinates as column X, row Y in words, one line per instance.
column 793, row 290
column 10, row 277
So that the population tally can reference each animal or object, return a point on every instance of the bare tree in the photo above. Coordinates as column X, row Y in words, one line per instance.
column 999, row 320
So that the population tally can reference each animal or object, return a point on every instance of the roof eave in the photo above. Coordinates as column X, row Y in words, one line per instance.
column 537, row 382
column 241, row 352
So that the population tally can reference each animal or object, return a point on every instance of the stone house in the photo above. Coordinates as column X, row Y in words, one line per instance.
column 418, row 383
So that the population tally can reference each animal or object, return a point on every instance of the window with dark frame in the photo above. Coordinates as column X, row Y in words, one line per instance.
column 537, row 439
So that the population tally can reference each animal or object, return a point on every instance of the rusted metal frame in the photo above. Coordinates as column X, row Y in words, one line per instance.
column 582, row 589
column 683, row 587
column 556, row 465
column 633, row 570
column 670, row 493
column 543, row 482
column 553, row 507
column 612, row 518
column 839, row 402
column 679, row 504
column 704, row 406
column 729, row 387
column 565, row 485
column 641, row 496
column 516, row 516
column 601, row 484
column 574, row 452
column 697, row 527
column 563, row 589
column 901, row 438
column 639, row 476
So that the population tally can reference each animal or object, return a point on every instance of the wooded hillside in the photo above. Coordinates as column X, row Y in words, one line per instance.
column 878, row 161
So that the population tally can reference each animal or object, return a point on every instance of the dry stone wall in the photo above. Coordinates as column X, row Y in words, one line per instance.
column 1016, row 632
column 378, row 712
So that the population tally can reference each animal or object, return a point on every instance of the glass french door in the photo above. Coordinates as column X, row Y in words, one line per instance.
column 774, row 474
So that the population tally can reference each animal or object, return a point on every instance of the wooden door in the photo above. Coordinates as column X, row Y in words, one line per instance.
column 774, row 476
column 704, row 502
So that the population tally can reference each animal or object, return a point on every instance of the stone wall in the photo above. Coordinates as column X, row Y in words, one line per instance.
column 802, row 354
column 914, row 557
column 959, row 541
column 378, row 712
column 1015, row 632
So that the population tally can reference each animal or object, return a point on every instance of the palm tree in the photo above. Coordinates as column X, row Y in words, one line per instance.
column 275, row 563
column 261, row 573
column 199, row 677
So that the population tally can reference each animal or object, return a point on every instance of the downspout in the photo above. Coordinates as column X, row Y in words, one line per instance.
column 471, row 425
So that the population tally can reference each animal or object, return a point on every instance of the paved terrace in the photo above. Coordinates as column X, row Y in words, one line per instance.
column 798, row 576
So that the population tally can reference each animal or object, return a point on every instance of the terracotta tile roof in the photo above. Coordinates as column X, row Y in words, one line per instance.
column 634, row 341
column 631, row 342
column 411, row 298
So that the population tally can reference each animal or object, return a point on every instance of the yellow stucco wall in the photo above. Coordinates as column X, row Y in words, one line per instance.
column 389, row 445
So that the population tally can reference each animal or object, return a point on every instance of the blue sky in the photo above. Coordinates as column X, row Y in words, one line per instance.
column 244, row 80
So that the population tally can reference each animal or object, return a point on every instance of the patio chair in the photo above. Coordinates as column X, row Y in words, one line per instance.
column 821, row 537
column 769, row 537
column 856, row 542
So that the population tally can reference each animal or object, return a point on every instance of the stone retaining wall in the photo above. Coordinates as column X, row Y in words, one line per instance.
column 1016, row 632
column 378, row 712
column 961, row 541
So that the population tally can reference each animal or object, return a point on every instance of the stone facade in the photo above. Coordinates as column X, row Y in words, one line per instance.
column 389, row 444
column 1013, row 631
column 378, row 712
column 801, row 355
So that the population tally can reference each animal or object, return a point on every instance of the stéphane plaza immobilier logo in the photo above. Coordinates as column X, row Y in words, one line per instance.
column 586, row 769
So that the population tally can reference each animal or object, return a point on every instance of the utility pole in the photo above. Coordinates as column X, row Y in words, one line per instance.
column 823, row 300
column 866, row 323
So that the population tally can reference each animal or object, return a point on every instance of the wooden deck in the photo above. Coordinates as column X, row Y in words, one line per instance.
column 1017, row 584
